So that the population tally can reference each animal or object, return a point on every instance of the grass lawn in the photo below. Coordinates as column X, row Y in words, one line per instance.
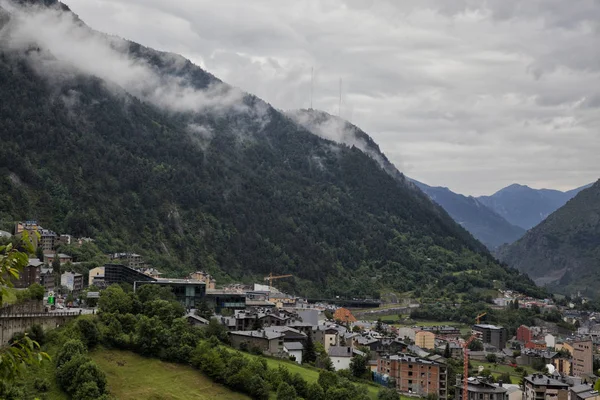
column 11, row 296
column 131, row 376
column 499, row 369
column 311, row 374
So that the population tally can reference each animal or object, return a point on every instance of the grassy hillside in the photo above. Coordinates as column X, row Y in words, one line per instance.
column 131, row 376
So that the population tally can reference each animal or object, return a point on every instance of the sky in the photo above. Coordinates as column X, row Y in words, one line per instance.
column 471, row 95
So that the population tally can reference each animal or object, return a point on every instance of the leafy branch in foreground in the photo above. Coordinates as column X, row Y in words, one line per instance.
column 22, row 352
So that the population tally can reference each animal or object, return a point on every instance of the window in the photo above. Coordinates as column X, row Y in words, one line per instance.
column 410, row 373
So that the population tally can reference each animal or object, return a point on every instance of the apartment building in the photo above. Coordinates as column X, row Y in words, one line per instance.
column 541, row 387
column 492, row 334
column 582, row 352
column 415, row 375
column 479, row 389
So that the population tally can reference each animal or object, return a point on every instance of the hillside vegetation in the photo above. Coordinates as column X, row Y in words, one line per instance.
column 228, row 184
column 564, row 250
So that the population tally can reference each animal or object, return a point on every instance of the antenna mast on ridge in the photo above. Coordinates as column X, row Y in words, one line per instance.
column 340, row 103
column 312, row 78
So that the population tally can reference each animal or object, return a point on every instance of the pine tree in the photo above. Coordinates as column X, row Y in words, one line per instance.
column 447, row 351
column 310, row 354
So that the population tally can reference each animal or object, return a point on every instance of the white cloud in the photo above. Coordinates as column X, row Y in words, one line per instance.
column 467, row 94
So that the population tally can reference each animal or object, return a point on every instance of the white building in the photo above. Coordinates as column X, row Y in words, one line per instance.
column 341, row 356
column 550, row 340
column 294, row 349
column 406, row 333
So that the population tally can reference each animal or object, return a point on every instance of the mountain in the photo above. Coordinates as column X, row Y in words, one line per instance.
column 146, row 152
column 564, row 250
column 483, row 223
column 525, row 207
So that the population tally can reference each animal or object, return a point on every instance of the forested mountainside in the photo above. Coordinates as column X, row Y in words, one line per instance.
column 483, row 223
column 564, row 250
column 154, row 155
column 525, row 207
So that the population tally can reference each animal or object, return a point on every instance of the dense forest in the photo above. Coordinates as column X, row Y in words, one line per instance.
column 260, row 194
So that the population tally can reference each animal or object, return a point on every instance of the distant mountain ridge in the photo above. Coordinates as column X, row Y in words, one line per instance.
column 563, row 251
column 483, row 223
column 525, row 207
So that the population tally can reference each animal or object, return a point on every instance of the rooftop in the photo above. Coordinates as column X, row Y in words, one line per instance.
column 543, row 380
column 293, row 346
column 487, row 326
column 269, row 335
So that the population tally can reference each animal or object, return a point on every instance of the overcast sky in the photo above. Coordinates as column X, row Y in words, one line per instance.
column 472, row 95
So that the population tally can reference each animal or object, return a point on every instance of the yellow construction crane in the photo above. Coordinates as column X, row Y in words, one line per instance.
column 478, row 318
column 271, row 277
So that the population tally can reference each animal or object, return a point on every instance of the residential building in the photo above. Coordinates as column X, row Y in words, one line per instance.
column 479, row 389
column 48, row 240
column 96, row 277
column 294, row 349
column 582, row 352
column 32, row 228
column 343, row 315
column 47, row 278
column 72, row 280
column 132, row 260
column 289, row 334
column 541, row 387
column 442, row 330
column 524, row 334
column 415, row 375
column 425, row 340
column 583, row 392
column 341, row 356
column 326, row 335
column 494, row 335
column 550, row 340
column 65, row 239
column 270, row 343
column 30, row 274
column 211, row 283
column 226, row 300
column 563, row 366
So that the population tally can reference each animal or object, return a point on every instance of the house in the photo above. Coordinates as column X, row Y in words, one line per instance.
column 294, row 349
column 289, row 334
column 479, row 389
column 425, row 340
column 550, row 340
column 341, row 356
column 415, row 375
column 196, row 320
column 583, row 392
column 63, row 258
column 494, row 335
column 73, row 281
column 514, row 392
column 30, row 274
column 541, row 387
column 48, row 239
column 96, row 277
column 406, row 333
column 205, row 277
column 47, row 278
column 270, row 343
column 326, row 335
column 536, row 344
column 132, row 260
column 343, row 315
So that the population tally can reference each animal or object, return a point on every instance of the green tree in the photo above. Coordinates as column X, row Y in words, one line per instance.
column 114, row 300
column 476, row 345
column 310, row 353
column 315, row 392
column 359, row 366
column 89, row 332
column 388, row 394
column 36, row 291
column 286, row 392
column 56, row 270
column 204, row 310
column 447, row 353
column 491, row 357
column 328, row 379
column 39, row 253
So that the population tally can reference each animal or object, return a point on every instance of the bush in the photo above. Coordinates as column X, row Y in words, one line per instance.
column 41, row 384
column 70, row 349
column 89, row 332
column 286, row 392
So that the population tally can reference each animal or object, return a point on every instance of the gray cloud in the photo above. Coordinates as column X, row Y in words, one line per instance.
column 468, row 94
